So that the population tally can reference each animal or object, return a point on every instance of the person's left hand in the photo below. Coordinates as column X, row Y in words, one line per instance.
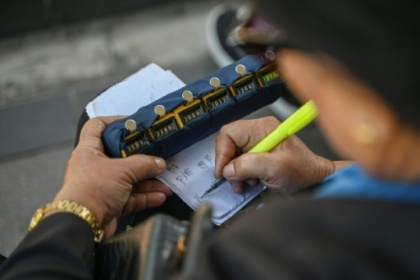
column 110, row 187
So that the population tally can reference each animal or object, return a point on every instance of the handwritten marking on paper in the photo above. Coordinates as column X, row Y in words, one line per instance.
column 184, row 175
column 202, row 165
column 209, row 158
column 171, row 165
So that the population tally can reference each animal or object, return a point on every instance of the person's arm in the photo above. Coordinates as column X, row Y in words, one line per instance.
column 289, row 166
column 61, row 245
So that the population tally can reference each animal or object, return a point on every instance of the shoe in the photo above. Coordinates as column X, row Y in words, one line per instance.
column 219, row 21
column 225, row 26
column 233, row 33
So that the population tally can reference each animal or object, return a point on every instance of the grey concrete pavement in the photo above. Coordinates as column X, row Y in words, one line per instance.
column 94, row 54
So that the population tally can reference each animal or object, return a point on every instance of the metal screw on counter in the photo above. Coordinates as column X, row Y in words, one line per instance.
column 188, row 96
column 215, row 82
column 160, row 110
column 130, row 125
column 240, row 69
column 270, row 55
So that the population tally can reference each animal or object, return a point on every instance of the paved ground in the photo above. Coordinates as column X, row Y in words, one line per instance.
column 46, row 78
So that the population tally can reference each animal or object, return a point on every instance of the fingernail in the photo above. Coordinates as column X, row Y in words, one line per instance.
column 229, row 171
column 161, row 164
column 161, row 196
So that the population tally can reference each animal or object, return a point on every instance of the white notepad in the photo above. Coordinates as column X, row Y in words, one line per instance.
column 190, row 172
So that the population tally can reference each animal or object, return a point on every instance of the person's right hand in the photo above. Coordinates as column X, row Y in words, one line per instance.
column 289, row 166
column 111, row 187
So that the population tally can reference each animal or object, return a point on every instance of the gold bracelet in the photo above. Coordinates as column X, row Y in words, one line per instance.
column 72, row 207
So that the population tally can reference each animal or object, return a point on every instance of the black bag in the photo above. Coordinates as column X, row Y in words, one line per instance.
column 159, row 248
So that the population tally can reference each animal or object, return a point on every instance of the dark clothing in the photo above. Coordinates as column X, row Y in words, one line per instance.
column 320, row 239
column 300, row 239
column 2, row 259
column 60, row 247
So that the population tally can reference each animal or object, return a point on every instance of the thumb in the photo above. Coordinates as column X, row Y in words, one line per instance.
column 139, row 167
column 251, row 165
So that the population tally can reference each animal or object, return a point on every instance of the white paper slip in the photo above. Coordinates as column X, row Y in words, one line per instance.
column 143, row 87
column 190, row 174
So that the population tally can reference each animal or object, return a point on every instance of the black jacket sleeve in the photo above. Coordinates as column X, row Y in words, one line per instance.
column 60, row 247
column 318, row 239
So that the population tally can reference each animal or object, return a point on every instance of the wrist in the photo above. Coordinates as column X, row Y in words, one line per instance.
column 69, row 207
column 92, row 204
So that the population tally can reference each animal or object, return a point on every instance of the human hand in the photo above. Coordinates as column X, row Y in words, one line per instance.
column 289, row 166
column 110, row 187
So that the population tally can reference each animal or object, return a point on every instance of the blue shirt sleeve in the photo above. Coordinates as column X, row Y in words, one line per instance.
column 355, row 182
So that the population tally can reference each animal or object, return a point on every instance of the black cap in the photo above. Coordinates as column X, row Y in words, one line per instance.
column 378, row 42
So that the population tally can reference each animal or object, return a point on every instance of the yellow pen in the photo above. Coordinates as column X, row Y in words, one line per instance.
column 298, row 120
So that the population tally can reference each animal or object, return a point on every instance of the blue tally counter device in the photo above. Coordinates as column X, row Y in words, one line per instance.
column 185, row 116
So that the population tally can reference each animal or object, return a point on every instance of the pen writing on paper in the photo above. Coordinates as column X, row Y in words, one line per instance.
column 199, row 159
column 214, row 186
